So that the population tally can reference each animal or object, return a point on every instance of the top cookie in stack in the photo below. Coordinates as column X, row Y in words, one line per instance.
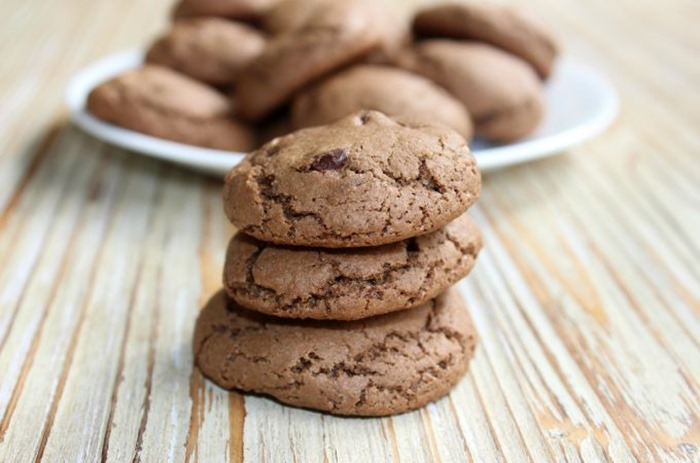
column 365, row 180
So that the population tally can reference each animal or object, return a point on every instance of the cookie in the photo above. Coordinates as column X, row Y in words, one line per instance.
column 502, row 93
column 335, row 36
column 243, row 10
column 378, row 366
column 389, row 90
column 364, row 180
column 340, row 284
column 160, row 102
column 500, row 26
column 394, row 29
column 211, row 50
column 290, row 15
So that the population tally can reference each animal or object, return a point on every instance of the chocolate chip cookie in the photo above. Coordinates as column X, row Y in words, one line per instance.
column 391, row 91
column 244, row 10
column 501, row 92
column 339, row 284
column 379, row 366
column 364, row 180
column 501, row 26
column 211, row 50
column 333, row 37
column 158, row 101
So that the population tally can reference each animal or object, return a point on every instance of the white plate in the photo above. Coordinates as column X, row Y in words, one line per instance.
column 581, row 103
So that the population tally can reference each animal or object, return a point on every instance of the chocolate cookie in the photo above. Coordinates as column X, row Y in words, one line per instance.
column 501, row 26
column 378, row 366
column 212, row 50
column 291, row 15
column 391, row 91
column 244, row 10
column 365, row 180
column 501, row 92
column 158, row 101
column 340, row 284
column 336, row 35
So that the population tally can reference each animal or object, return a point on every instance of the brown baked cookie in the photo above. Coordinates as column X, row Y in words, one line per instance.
column 392, row 25
column 212, row 50
column 349, row 284
column 335, row 36
column 391, row 91
column 378, row 366
column 244, row 10
column 160, row 102
column 502, row 93
column 365, row 180
column 290, row 15
column 501, row 26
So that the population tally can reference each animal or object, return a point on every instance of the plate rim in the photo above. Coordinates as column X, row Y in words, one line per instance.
column 219, row 161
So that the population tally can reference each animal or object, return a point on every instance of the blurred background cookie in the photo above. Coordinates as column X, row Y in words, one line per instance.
column 335, row 35
column 501, row 26
column 212, row 50
column 158, row 101
column 391, row 24
column 501, row 92
column 391, row 91
column 244, row 10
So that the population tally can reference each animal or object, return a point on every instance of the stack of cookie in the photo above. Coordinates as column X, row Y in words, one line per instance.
column 337, row 285
column 231, row 74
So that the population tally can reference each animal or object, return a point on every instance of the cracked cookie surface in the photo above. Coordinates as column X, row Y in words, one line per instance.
column 340, row 284
column 365, row 180
column 378, row 366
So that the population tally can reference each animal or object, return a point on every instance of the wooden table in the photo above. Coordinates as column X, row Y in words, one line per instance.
column 586, row 297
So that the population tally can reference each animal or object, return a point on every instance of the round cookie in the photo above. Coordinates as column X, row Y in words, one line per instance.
column 211, row 50
column 291, row 15
column 364, row 180
column 379, row 366
column 244, row 10
column 342, row 284
column 501, row 92
column 160, row 102
column 333, row 37
column 391, row 91
column 501, row 26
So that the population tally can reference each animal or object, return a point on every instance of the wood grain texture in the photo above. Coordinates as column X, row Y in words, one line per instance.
column 586, row 297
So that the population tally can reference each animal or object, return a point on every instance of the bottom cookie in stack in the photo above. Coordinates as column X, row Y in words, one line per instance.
column 377, row 366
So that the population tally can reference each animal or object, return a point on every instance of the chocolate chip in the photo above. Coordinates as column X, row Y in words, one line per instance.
column 273, row 150
column 331, row 160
